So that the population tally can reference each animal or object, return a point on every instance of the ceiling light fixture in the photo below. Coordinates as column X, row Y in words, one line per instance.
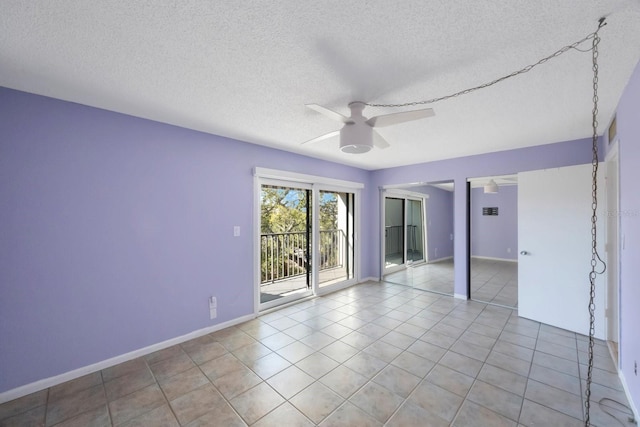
column 491, row 187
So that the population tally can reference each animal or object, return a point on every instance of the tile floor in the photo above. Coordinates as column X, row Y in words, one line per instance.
column 434, row 277
column 371, row 355
column 494, row 281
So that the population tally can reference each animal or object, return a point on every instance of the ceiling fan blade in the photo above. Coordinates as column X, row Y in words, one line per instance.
column 379, row 141
column 322, row 137
column 396, row 118
column 329, row 113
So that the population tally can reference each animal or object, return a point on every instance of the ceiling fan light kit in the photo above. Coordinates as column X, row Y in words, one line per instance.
column 491, row 187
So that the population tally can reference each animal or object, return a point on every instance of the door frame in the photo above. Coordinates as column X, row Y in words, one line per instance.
column 613, row 211
column 316, row 184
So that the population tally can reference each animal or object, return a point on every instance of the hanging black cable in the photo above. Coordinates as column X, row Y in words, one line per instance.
column 595, row 257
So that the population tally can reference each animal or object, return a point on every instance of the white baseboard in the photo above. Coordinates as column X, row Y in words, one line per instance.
column 460, row 296
column 636, row 414
column 494, row 258
column 431, row 261
column 85, row 370
column 369, row 279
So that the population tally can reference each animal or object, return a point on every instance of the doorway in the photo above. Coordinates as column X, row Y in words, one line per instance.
column 493, row 217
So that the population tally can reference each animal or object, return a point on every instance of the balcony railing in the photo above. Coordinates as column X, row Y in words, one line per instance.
column 284, row 255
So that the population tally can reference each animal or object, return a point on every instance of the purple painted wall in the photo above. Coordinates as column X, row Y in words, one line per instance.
column 628, row 117
column 439, row 221
column 115, row 230
column 458, row 170
column 494, row 236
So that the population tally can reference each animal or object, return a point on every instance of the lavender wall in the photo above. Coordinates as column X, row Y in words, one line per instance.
column 115, row 230
column 439, row 221
column 494, row 236
column 458, row 170
column 628, row 116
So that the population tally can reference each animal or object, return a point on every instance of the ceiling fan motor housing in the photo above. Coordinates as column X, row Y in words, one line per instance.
column 356, row 139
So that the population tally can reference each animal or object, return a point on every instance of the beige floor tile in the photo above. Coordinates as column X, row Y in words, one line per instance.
column 196, row 403
column 365, row 364
column 295, row 352
column 554, row 398
column 343, row 381
column 357, row 340
column 125, row 368
column 512, row 364
column 221, row 366
column 470, row 350
column 73, row 404
column 556, row 363
column 299, row 331
column 317, row 365
column 290, row 381
column 183, row 383
column 204, row 351
column 556, row 379
column 269, row 365
column 236, row 382
column 171, row 366
column 23, row 404
column 413, row 364
column 285, row 415
column 126, row 384
column 350, row 415
column 450, row 380
column 251, row 352
column 72, row 387
column 397, row 380
column 534, row 414
column 411, row 415
column 166, row 353
column 136, row 404
column 462, row 364
column 503, row 379
column 339, row 351
column 336, row 330
column 316, row 402
column 473, row 415
column 317, row 340
column 30, row 417
column 436, row 400
column 277, row 341
column 256, row 402
column 383, row 351
column 427, row 351
column 160, row 416
column 376, row 401
column 219, row 415
column 496, row 399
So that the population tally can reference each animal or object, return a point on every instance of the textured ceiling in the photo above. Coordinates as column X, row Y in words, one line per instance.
column 246, row 69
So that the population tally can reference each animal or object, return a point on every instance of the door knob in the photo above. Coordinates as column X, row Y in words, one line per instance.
column 524, row 253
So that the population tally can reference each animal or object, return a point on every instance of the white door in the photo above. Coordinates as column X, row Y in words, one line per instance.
column 554, row 239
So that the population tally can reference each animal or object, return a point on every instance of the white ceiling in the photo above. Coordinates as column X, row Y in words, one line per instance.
column 246, row 69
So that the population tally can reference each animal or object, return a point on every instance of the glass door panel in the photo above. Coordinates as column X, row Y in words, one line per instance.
column 415, row 231
column 394, row 254
column 336, row 237
column 285, row 243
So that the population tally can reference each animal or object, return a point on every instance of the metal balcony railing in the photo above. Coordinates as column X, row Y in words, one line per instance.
column 284, row 255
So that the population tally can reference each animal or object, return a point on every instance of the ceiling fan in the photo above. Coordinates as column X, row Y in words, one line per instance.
column 357, row 135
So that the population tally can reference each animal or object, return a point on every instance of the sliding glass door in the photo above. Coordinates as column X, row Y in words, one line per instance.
column 336, row 246
column 404, row 231
column 307, row 240
column 285, row 242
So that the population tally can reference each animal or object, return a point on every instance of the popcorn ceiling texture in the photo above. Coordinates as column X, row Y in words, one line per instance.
column 245, row 69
